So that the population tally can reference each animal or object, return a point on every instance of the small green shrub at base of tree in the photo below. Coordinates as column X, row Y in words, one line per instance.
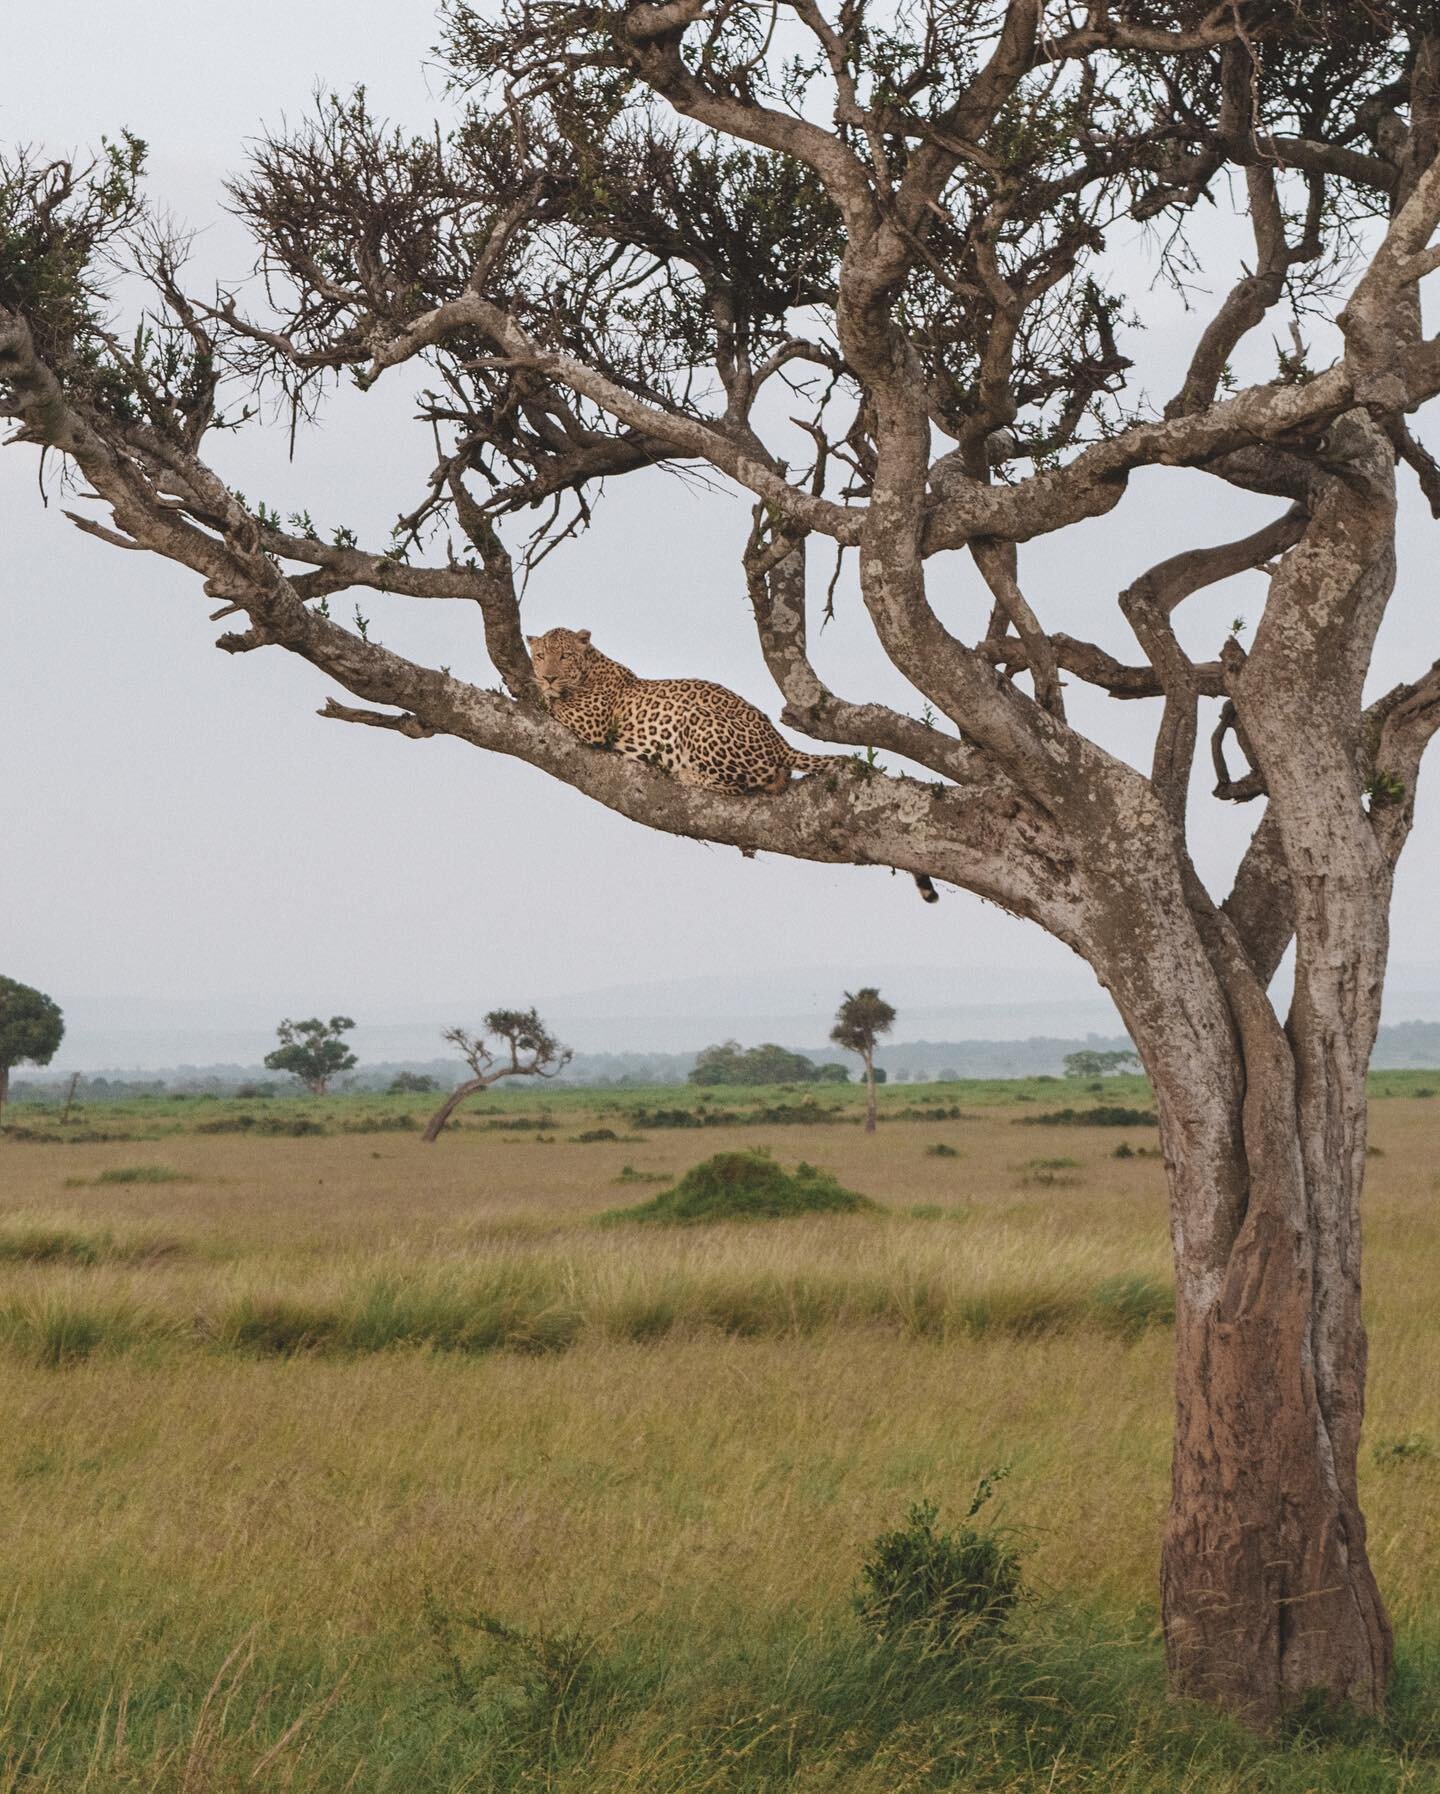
column 938, row 1591
column 744, row 1186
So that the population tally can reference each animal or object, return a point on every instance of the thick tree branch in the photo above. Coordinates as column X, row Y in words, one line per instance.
column 775, row 578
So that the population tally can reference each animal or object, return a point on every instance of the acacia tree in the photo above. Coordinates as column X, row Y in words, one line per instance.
column 534, row 1053
column 859, row 1022
column 313, row 1051
column 1090, row 1063
column 31, row 1029
column 851, row 258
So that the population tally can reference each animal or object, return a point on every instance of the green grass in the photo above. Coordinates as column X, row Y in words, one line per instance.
column 343, row 1464
column 456, row 1699
column 744, row 1186
column 132, row 1174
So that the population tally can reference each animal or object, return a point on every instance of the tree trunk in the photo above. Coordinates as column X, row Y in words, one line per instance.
column 4, row 1091
column 1267, row 1593
column 452, row 1103
column 869, row 1093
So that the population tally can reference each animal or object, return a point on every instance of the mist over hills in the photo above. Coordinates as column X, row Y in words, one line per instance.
column 997, row 1021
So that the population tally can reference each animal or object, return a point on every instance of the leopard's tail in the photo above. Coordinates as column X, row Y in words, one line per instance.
column 803, row 763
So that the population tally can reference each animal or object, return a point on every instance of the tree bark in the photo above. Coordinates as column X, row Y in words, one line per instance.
column 869, row 1093
column 1267, row 1593
column 4, row 1091
column 451, row 1104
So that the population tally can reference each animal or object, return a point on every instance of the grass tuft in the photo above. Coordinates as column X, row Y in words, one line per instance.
column 744, row 1186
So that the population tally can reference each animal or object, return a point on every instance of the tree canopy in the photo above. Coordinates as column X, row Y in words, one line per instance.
column 730, row 1063
column 313, row 1051
column 860, row 1021
column 31, row 1029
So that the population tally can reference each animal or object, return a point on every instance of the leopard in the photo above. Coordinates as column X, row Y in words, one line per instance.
column 702, row 734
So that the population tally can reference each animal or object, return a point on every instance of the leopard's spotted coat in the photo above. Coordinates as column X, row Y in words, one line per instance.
column 699, row 732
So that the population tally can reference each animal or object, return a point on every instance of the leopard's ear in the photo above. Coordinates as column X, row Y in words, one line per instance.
column 532, row 639
column 584, row 634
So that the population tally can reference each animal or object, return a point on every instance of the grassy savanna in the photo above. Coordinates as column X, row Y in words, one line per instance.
column 336, row 1461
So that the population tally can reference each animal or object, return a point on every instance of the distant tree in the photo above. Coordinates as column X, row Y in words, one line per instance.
column 831, row 1074
column 859, row 1022
column 730, row 1063
column 313, row 1051
column 723, row 1063
column 31, row 1029
column 534, row 1053
column 413, row 1083
column 1091, row 1064
column 772, row 1064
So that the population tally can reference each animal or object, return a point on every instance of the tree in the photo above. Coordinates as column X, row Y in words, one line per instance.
column 534, row 1053
column 723, row 1063
column 313, row 1051
column 412, row 1083
column 1091, row 1063
column 661, row 233
column 31, row 1029
column 730, row 1063
column 859, row 1022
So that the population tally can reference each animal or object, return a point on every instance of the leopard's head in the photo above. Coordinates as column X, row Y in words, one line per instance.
column 559, row 658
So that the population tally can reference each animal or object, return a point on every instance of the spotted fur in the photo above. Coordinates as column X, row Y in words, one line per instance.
column 700, row 733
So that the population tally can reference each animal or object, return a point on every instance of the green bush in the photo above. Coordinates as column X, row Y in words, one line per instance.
column 941, row 1151
column 273, row 1126
column 1102, row 1115
column 143, row 1174
column 744, row 1186
column 1412, row 1448
column 938, row 1590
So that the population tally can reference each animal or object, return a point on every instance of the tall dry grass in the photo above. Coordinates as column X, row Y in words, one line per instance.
column 264, row 1491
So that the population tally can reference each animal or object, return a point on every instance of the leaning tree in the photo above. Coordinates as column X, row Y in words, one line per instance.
column 857, row 259
column 533, row 1052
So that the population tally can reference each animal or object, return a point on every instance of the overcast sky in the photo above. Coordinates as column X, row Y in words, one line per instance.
column 180, row 824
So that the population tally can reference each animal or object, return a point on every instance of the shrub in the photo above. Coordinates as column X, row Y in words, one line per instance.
column 941, row 1151
column 143, row 1174
column 272, row 1126
column 592, row 1135
column 413, row 1083
column 938, row 1590
column 744, row 1186
column 1412, row 1448
column 629, row 1175
column 379, row 1124
column 1102, row 1115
